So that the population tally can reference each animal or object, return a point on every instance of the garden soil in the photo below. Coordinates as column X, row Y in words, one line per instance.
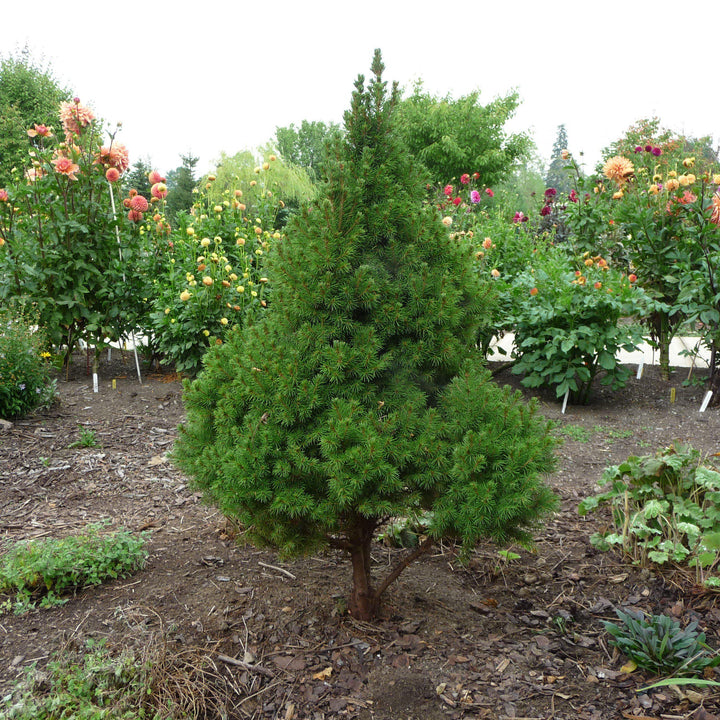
column 237, row 632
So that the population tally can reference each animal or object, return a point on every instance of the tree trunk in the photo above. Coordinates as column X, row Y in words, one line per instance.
column 363, row 602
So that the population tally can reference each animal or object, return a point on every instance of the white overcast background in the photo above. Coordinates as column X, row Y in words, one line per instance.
column 215, row 76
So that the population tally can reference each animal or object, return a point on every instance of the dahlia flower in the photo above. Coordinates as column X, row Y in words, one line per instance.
column 65, row 166
column 139, row 203
column 619, row 169
column 115, row 156
column 74, row 116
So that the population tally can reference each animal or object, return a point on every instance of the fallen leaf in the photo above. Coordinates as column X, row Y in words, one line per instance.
column 157, row 460
column 323, row 674
column 629, row 666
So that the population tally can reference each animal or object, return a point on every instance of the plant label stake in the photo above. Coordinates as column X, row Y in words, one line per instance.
column 706, row 400
column 565, row 399
column 639, row 370
column 95, row 382
column 672, row 395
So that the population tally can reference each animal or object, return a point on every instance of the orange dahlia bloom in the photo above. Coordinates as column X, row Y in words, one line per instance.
column 619, row 169
column 65, row 166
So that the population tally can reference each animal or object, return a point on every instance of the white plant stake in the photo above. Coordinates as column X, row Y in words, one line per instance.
column 565, row 399
column 95, row 382
column 640, row 370
column 706, row 400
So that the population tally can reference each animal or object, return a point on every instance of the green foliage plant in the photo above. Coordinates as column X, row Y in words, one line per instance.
column 360, row 395
column 87, row 439
column 305, row 145
column 92, row 684
column 566, row 316
column 25, row 382
column 664, row 510
column 661, row 645
column 48, row 568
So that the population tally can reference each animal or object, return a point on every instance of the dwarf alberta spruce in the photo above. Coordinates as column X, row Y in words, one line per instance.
column 360, row 396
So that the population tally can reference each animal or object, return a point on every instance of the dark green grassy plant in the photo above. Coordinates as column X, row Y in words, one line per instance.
column 659, row 644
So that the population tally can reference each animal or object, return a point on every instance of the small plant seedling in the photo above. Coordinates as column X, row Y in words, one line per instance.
column 87, row 439
column 575, row 432
column 508, row 555
column 45, row 461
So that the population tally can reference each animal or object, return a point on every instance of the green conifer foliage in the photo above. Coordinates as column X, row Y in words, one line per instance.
column 360, row 395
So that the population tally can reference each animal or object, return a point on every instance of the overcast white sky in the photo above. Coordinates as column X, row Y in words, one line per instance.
column 218, row 75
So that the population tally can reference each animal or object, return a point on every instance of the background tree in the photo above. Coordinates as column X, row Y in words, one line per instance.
column 240, row 172
column 181, row 182
column 29, row 93
column 304, row 146
column 557, row 176
column 360, row 396
column 137, row 178
column 451, row 137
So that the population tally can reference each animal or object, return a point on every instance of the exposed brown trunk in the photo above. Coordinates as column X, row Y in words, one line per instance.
column 364, row 600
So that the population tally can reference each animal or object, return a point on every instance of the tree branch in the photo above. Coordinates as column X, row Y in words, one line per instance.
column 421, row 549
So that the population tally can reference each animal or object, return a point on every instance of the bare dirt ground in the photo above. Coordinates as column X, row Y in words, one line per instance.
column 269, row 639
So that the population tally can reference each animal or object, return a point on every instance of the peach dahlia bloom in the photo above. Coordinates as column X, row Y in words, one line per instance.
column 619, row 169
column 74, row 116
column 116, row 156
column 65, row 166
column 715, row 207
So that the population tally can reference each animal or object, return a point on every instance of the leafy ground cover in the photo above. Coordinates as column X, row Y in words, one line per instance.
column 239, row 631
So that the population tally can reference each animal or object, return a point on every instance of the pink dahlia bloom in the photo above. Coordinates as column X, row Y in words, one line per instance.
column 155, row 177
column 139, row 203
column 39, row 131
column 135, row 216
column 159, row 190
column 4, row 197
column 112, row 174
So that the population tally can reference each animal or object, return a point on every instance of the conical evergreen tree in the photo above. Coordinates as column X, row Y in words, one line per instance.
column 360, row 396
column 557, row 177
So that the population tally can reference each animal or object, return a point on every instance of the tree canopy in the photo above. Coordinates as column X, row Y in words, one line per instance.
column 455, row 136
column 29, row 94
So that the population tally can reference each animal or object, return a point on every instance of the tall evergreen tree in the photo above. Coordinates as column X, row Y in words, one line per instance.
column 360, row 395
column 137, row 178
column 557, row 177
column 181, row 182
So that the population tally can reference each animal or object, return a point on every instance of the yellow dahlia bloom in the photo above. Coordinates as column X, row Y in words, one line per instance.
column 672, row 184
column 185, row 295
column 619, row 169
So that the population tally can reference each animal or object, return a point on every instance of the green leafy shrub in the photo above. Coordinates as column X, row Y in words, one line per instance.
column 49, row 567
column 664, row 509
column 661, row 645
column 567, row 329
column 25, row 382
